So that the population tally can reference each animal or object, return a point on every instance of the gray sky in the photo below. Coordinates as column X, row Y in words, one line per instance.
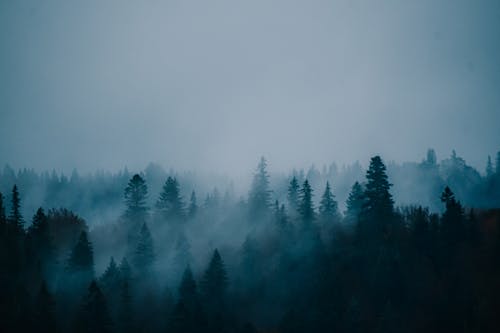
column 213, row 85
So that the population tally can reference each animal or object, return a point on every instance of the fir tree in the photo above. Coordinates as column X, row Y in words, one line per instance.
column 170, row 203
column 110, row 279
column 3, row 219
column 136, row 194
column 328, row 209
column 81, row 261
column 489, row 167
column 293, row 194
column 379, row 203
column 144, row 254
column 188, row 293
column 125, row 270
column 214, row 283
column 306, row 205
column 452, row 221
column 125, row 321
column 259, row 198
column 354, row 203
column 39, row 240
column 93, row 315
column 193, row 206
column 15, row 217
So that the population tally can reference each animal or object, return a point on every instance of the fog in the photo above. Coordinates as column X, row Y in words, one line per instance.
column 213, row 85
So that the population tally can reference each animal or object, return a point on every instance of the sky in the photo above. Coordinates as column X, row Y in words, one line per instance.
column 214, row 85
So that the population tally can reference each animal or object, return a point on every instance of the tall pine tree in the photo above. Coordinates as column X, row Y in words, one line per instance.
column 170, row 203
column 306, row 205
column 328, row 208
column 259, row 198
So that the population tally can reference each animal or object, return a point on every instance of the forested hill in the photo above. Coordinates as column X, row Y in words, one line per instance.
column 317, row 251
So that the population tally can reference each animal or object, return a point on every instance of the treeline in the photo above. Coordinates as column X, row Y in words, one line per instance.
column 276, row 261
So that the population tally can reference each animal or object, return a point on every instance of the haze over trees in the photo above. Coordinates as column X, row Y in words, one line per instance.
column 399, row 247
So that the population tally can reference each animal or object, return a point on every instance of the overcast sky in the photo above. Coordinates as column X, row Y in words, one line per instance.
column 214, row 84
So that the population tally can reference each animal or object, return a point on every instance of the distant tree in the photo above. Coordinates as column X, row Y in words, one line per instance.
column 125, row 323
column 81, row 259
column 306, row 205
column 328, row 208
column 489, row 167
column 452, row 221
column 280, row 215
column 259, row 198
column 44, row 316
column 293, row 194
column 193, row 206
column 214, row 283
column 15, row 217
column 136, row 194
column 170, row 203
column 188, row 293
column 431, row 159
column 354, row 203
column 110, row 279
column 377, row 213
column 125, row 270
column 3, row 219
column 93, row 315
column 144, row 254
column 39, row 241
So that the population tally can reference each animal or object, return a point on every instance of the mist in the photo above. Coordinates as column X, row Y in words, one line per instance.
column 212, row 86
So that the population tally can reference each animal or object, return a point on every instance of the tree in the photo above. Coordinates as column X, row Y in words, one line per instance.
column 377, row 213
column 44, row 317
column 306, row 205
column 193, row 206
column 259, row 198
column 125, row 322
column 15, row 217
column 293, row 195
column 110, row 279
column 354, row 203
column 188, row 293
column 144, row 254
column 452, row 221
column 93, row 315
column 81, row 260
column 170, row 203
column 431, row 159
column 125, row 271
column 39, row 241
column 214, row 283
column 3, row 219
column 328, row 208
column 136, row 194
column 489, row 167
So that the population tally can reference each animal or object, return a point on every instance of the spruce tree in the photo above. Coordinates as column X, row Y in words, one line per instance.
column 44, row 317
column 110, row 279
column 81, row 262
column 15, row 217
column 452, row 221
column 259, row 198
column 489, row 167
column 188, row 293
column 136, row 194
column 125, row 321
column 328, row 209
column 193, row 206
column 293, row 195
column 170, row 203
column 93, row 315
column 125, row 270
column 306, row 205
column 354, row 203
column 144, row 253
column 40, row 241
column 3, row 219
column 214, row 283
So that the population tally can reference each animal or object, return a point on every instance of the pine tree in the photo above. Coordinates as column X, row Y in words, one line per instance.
column 110, row 279
column 306, row 205
column 93, row 315
column 44, row 317
column 40, row 242
column 80, row 264
column 489, row 167
column 452, row 221
column 125, row 270
column 136, row 194
column 188, row 293
column 328, row 209
column 170, row 203
column 193, row 206
column 214, row 283
column 354, row 203
column 144, row 254
column 125, row 322
column 293, row 194
column 3, row 219
column 15, row 217
column 259, row 198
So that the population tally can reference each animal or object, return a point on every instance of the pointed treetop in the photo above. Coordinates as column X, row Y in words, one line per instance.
column 328, row 208
column 16, row 219
column 306, row 205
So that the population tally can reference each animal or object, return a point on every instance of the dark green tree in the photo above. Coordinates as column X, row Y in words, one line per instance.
column 44, row 316
column 306, row 205
column 379, row 203
column 259, row 198
column 489, row 167
column 39, row 243
column 80, row 264
column 170, row 203
column 93, row 315
column 193, row 206
column 136, row 194
column 293, row 195
column 110, row 279
column 328, row 208
column 354, row 203
column 15, row 217
column 214, row 283
column 144, row 253
column 452, row 221
column 3, row 219
column 125, row 270
column 125, row 321
column 188, row 293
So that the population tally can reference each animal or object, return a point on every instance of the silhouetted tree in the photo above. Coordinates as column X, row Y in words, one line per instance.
column 93, row 315
column 214, row 283
column 144, row 253
column 125, row 321
column 136, row 194
column 81, row 261
column 306, row 205
column 188, row 293
column 44, row 316
column 293, row 194
column 170, row 203
column 259, row 198
column 354, row 203
column 39, row 243
column 452, row 221
column 15, row 217
column 110, row 279
column 193, row 206
column 489, row 167
column 328, row 208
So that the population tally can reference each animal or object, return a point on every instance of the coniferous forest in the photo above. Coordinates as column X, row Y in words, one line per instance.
column 412, row 247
